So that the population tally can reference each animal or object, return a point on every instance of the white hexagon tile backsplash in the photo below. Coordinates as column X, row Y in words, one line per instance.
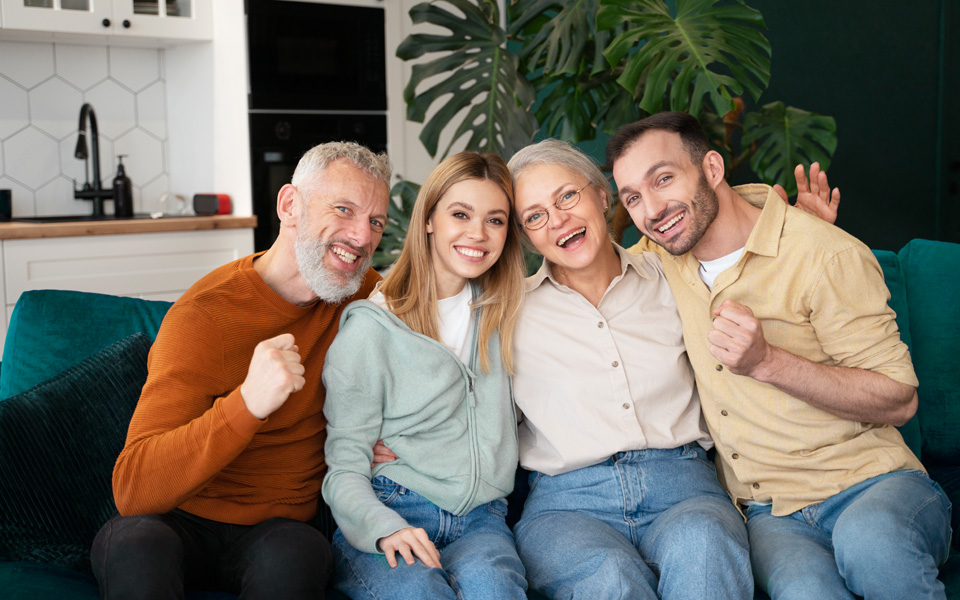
column 43, row 85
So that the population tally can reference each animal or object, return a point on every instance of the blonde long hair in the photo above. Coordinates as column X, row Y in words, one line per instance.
column 411, row 286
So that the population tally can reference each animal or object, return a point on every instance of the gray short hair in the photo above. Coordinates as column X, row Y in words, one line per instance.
column 556, row 152
column 317, row 159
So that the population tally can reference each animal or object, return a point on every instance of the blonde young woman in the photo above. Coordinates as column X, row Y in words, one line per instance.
column 424, row 366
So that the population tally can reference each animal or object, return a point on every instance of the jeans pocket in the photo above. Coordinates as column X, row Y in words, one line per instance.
column 386, row 489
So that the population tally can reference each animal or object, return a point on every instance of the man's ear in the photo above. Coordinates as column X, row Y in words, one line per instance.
column 289, row 205
column 713, row 168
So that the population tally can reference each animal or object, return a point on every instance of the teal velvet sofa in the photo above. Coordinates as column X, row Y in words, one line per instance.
column 73, row 365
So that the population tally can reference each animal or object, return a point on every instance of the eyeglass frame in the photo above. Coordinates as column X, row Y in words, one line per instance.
column 556, row 204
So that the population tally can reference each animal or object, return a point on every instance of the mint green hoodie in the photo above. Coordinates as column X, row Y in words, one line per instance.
column 453, row 427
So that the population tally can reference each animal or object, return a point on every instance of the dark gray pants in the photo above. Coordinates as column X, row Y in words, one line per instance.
column 158, row 556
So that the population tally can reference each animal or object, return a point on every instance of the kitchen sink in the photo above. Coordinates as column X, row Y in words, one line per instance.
column 80, row 218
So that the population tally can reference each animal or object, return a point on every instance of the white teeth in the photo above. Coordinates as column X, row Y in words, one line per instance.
column 344, row 255
column 671, row 222
column 470, row 252
column 564, row 239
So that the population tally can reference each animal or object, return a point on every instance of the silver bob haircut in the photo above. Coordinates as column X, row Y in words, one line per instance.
column 563, row 154
column 317, row 159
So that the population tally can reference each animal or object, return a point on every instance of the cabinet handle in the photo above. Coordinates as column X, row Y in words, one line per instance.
column 126, row 24
column 106, row 22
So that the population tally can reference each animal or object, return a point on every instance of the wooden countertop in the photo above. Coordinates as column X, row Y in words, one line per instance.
column 17, row 230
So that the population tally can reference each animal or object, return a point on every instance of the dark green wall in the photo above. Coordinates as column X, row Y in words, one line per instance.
column 887, row 71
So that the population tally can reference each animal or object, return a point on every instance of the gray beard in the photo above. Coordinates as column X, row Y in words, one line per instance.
column 326, row 283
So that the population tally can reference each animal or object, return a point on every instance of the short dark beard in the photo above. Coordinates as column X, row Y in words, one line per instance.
column 704, row 206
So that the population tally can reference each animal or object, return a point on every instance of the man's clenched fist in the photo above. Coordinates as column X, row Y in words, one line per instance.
column 275, row 373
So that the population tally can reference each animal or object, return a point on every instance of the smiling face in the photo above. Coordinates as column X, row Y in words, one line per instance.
column 340, row 225
column 467, row 231
column 571, row 239
column 668, row 197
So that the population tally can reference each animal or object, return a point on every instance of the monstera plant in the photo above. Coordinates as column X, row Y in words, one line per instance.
column 571, row 69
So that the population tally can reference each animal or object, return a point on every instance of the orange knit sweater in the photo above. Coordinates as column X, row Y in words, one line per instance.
column 192, row 443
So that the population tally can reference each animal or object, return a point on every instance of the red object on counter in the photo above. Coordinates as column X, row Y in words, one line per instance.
column 212, row 204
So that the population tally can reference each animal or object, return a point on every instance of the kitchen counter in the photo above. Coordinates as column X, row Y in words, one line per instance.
column 16, row 230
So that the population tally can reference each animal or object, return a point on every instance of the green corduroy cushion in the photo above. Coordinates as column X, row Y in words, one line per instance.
column 893, row 276
column 32, row 581
column 58, row 444
column 932, row 273
column 51, row 330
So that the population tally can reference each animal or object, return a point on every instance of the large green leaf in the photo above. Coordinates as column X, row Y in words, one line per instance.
column 478, row 75
column 573, row 109
column 555, row 33
column 402, row 198
column 710, row 48
column 784, row 137
column 562, row 52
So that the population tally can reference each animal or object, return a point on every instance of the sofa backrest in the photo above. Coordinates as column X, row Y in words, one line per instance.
column 894, row 278
column 931, row 271
column 52, row 330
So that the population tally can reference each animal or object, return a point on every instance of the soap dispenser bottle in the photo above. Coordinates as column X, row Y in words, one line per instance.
column 122, row 192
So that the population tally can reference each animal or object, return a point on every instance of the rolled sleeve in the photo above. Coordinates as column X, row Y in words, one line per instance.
column 853, row 321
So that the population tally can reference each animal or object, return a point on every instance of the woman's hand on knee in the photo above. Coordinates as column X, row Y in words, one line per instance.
column 410, row 542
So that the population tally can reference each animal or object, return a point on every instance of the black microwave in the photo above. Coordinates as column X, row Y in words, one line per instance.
column 306, row 55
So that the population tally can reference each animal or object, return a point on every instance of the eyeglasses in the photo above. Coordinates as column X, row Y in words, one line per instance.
column 565, row 201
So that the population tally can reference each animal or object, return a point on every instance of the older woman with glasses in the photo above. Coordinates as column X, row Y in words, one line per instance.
column 623, row 502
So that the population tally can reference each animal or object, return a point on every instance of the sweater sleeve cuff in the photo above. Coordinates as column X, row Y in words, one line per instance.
column 237, row 416
column 392, row 524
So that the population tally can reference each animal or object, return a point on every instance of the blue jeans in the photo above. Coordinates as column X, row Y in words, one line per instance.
column 477, row 552
column 644, row 524
column 882, row 538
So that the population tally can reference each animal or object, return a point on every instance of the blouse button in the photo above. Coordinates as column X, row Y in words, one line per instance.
column 600, row 324
column 615, row 364
column 626, row 405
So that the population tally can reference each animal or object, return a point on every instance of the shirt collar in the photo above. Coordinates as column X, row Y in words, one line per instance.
column 764, row 240
column 626, row 260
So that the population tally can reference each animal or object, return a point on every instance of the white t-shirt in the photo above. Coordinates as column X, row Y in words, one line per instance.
column 709, row 269
column 453, row 318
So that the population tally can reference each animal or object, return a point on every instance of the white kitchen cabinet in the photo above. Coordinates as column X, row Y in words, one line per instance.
column 154, row 266
column 116, row 20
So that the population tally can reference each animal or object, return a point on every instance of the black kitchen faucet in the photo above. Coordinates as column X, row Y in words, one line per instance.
column 90, row 191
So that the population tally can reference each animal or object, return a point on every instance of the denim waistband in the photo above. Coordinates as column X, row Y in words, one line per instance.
column 636, row 456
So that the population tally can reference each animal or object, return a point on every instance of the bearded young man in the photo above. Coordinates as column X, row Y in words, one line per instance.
column 801, row 372
column 224, row 455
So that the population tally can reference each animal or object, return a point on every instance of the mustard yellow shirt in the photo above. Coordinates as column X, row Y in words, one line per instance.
column 820, row 294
